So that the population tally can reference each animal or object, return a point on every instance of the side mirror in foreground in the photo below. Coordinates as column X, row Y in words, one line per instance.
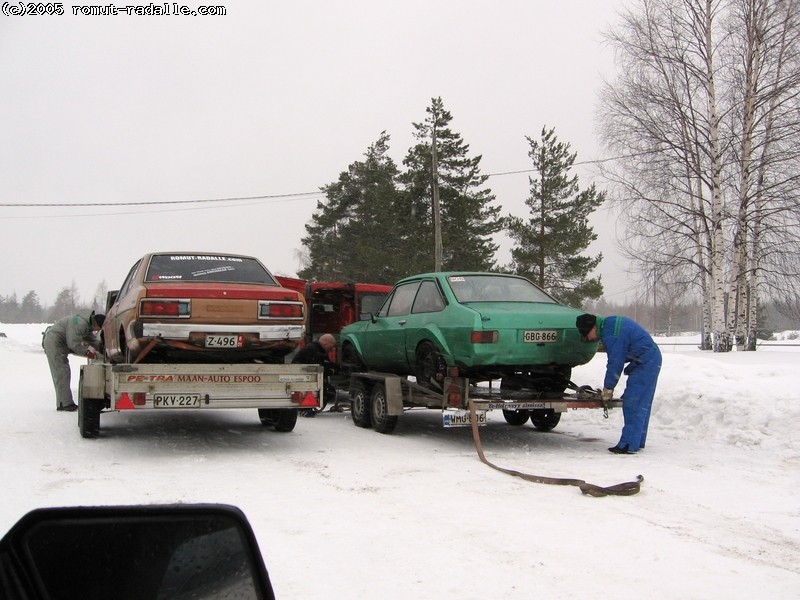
column 148, row 552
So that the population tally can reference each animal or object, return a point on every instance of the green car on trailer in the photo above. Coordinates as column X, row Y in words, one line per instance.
column 478, row 325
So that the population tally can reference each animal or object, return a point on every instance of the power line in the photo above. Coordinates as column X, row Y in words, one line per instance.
column 272, row 197
column 276, row 197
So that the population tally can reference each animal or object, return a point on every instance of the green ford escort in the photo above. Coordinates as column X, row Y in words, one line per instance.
column 484, row 326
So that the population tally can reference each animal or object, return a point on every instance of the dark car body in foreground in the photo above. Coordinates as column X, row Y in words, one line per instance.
column 202, row 307
column 145, row 552
column 487, row 325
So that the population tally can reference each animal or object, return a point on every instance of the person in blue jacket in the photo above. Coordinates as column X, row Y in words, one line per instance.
column 626, row 341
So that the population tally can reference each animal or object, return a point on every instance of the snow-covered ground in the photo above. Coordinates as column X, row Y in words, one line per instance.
column 344, row 512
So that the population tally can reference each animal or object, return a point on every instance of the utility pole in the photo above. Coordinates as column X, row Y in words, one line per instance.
column 437, row 216
column 654, row 301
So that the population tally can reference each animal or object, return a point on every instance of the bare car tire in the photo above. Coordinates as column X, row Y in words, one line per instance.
column 382, row 421
column 545, row 419
column 430, row 366
column 360, row 405
column 351, row 362
column 516, row 417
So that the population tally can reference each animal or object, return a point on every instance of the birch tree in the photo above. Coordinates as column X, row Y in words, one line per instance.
column 702, row 181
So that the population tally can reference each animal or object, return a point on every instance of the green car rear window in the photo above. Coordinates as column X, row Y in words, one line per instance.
column 495, row 288
column 204, row 267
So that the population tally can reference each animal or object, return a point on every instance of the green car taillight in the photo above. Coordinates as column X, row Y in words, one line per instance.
column 484, row 337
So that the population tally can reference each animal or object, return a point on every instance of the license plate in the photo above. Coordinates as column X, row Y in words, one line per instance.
column 460, row 418
column 540, row 337
column 176, row 400
column 223, row 341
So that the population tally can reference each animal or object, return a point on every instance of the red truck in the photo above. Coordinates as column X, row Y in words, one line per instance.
column 332, row 305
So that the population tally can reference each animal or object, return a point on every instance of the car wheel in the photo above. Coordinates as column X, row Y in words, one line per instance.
column 430, row 367
column 125, row 352
column 560, row 381
column 351, row 362
column 545, row 419
column 382, row 421
column 359, row 405
column 516, row 417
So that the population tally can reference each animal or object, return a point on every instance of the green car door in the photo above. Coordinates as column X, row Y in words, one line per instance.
column 383, row 341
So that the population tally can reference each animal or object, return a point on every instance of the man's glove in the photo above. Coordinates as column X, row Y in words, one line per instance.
column 607, row 394
column 91, row 354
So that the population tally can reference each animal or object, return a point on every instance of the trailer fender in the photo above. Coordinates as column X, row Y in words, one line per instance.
column 93, row 383
column 394, row 395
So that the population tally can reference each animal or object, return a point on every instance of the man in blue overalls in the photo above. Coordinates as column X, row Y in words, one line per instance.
column 626, row 341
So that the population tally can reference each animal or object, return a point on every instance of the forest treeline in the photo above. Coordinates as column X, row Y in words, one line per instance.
column 31, row 310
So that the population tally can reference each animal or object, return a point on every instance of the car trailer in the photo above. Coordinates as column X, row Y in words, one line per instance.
column 379, row 399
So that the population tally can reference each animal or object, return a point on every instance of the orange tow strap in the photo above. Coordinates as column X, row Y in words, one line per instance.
column 628, row 488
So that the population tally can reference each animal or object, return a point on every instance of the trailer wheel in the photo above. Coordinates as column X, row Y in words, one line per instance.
column 545, row 419
column 382, row 421
column 287, row 419
column 516, row 417
column 267, row 416
column 282, row 419
column 89, row 417
column 360, row 405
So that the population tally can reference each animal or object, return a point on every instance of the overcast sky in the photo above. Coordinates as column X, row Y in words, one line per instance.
column 272, row 99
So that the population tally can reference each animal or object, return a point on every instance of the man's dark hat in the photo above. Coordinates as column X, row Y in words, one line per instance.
column 98, row 319
column 584, row 323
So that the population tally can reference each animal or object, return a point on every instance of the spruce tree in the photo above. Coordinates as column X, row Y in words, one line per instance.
column 550, row 242
column 31, row 310
column 350, row 236
column 467, row 218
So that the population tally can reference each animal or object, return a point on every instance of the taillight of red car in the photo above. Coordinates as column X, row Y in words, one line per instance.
column 165, row 308
column 280, row 310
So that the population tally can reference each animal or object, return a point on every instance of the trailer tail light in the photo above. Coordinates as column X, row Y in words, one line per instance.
column 177, row 309
column 128, row 401
column 280, row 310
column 305, row 399
column 453, row 395
column 484, row 337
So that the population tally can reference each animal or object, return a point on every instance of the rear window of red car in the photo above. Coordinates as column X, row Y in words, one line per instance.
column 207, row 267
